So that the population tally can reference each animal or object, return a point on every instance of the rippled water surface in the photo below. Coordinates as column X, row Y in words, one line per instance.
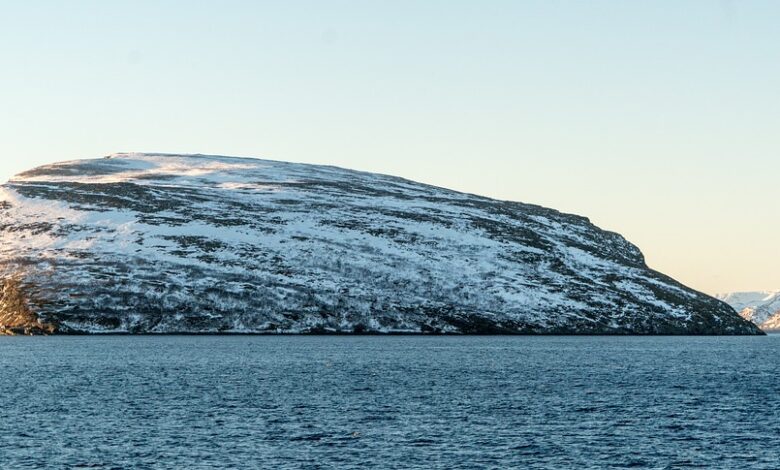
column 389, row 402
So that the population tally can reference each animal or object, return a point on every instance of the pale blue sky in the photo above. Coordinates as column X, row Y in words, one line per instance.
column 659, row 120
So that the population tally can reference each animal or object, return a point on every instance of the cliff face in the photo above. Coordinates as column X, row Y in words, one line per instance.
column 16, row 316
column 168, row 243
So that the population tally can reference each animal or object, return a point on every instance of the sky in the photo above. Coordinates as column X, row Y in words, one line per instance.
column 658, row 120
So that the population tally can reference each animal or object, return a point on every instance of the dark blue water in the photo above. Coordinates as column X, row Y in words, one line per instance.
column 390, row 402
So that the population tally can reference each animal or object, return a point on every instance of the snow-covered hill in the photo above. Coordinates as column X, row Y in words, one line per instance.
column 175, row 243
column 761, row 307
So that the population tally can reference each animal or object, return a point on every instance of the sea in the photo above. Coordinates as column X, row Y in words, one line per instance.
column 389, row 402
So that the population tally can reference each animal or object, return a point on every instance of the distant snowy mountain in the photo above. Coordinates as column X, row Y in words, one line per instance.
column 761, row 308
column 153, row 243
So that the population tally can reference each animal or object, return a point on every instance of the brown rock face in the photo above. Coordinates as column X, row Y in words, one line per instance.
column 16, row 317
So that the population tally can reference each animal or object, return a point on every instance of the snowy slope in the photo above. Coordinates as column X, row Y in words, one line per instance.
column 175, row 243
column 761, row 307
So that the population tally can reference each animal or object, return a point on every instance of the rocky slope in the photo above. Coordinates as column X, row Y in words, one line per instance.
column 151, row 243
column 761, row 308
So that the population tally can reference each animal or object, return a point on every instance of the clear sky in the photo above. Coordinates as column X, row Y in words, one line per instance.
column 659, row 120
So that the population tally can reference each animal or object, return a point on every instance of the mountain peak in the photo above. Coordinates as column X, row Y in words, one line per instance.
column 759, row 307
column 160, row 243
